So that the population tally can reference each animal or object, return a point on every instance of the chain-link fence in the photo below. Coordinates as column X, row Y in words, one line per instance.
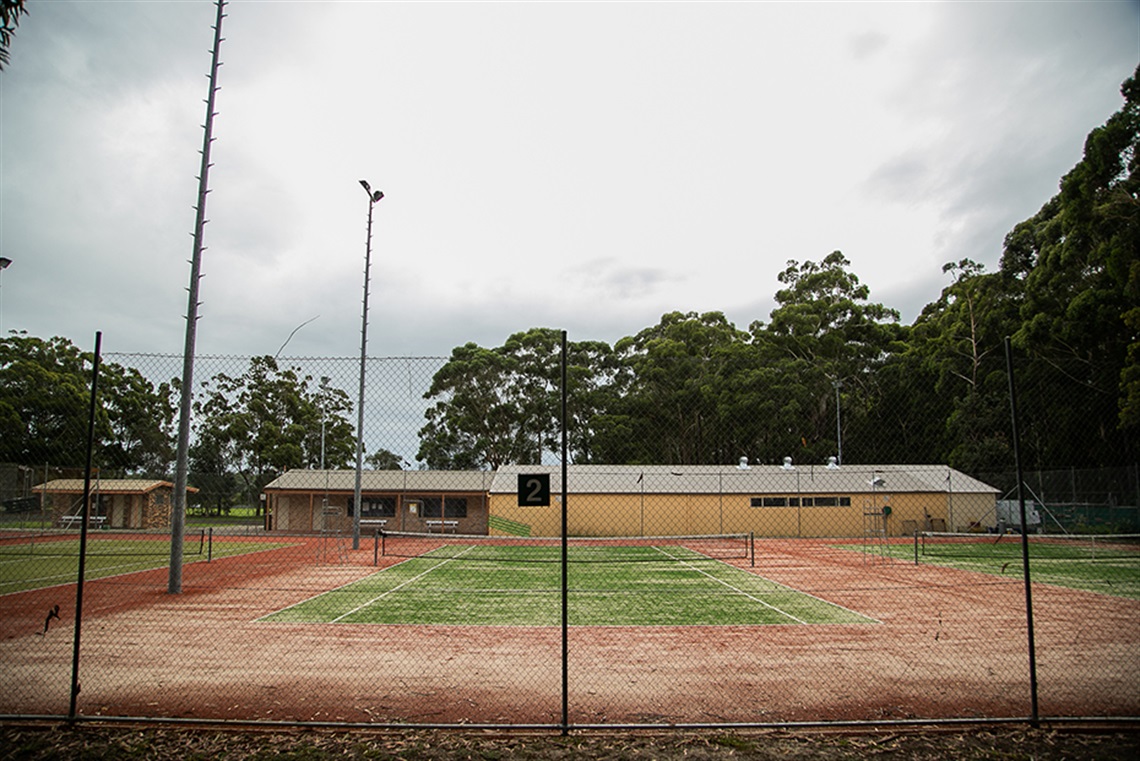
column 698, row 561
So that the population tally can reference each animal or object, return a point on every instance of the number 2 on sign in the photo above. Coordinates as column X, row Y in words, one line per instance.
column 534, row 489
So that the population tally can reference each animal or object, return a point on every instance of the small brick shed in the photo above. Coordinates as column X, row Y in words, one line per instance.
column 118, row 502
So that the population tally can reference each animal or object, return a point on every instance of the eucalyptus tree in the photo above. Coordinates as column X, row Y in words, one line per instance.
column 828, row 341
column 1079, row 258
column 958, row 343
column 477, row 420
column 45, row 405
column 674, row 395
column 265, row 421
column 499, row 406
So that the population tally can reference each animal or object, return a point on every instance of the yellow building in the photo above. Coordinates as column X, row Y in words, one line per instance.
column 775, row 501
column 636, row 500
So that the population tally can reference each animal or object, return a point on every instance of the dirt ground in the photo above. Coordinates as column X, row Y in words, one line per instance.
column 947, row 644
column 62, row 743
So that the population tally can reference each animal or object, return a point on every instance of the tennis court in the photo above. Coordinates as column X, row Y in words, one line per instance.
column 1106, row 563
column 645, row 582
column 35, row 561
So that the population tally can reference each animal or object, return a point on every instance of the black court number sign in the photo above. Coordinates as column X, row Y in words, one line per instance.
column 534, row 489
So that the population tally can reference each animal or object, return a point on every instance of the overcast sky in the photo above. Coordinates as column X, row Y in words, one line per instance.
column 587, row 166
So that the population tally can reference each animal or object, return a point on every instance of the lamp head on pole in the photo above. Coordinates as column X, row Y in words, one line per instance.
column 4, row 262
column 375, row 195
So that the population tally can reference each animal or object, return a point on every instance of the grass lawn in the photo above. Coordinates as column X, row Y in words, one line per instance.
column 521, row 586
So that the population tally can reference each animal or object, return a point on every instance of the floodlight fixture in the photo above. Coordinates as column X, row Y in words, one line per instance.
column 375, row 195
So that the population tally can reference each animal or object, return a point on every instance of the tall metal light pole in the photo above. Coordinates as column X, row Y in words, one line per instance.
column 4, row 263
column 182, row 455
column 374, row 197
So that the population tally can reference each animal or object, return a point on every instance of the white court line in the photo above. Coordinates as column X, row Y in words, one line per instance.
column 734, row 589
column 814, row 597
column 382, row 595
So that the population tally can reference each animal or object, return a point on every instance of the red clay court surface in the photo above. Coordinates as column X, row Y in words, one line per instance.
column 951, row 644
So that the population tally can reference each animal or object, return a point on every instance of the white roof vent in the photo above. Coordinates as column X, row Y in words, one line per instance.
column 743, row 464
column 832, row 463
column 788, row 464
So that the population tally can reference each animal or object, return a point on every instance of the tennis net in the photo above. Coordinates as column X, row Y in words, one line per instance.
column 99, row 543
column 1046, row 546
column 519, row 549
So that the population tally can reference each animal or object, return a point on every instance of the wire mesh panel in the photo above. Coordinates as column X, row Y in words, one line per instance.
column 692, row 586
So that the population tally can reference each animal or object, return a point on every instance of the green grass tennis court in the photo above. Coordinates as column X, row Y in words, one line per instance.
column 1107, row 564
column 463, row 584
column 39, row 561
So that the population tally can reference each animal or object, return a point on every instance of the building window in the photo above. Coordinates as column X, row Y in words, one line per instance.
column 826, row 502
column 453, row 507
column 375, row 507
column 378, row 507
column 771, row 501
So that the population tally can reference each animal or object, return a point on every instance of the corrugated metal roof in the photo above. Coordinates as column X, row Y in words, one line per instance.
column 106, row 486
column 649, row 479
column 757, row 479
column 383, row 480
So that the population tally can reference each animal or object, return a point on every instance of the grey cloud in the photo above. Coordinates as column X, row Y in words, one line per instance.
column 867, row 44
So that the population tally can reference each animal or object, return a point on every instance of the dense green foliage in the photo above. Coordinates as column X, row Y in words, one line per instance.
column 250, row 428
column 10, row 12
column 44, row 409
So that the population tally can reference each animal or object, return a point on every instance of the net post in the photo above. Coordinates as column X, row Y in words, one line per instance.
column 752, row 547
column 376, row 547
column 209, row 545
column 916, row 546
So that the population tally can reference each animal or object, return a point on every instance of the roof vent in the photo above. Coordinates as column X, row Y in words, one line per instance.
column 832, row 463
column 743, row 464
column 788, row 464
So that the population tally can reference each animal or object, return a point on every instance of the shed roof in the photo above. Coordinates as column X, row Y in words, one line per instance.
column 383, row 480
column 106, row 486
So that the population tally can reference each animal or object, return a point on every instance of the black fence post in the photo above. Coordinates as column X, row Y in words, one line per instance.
column 71, row 710
column 1034, row 720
